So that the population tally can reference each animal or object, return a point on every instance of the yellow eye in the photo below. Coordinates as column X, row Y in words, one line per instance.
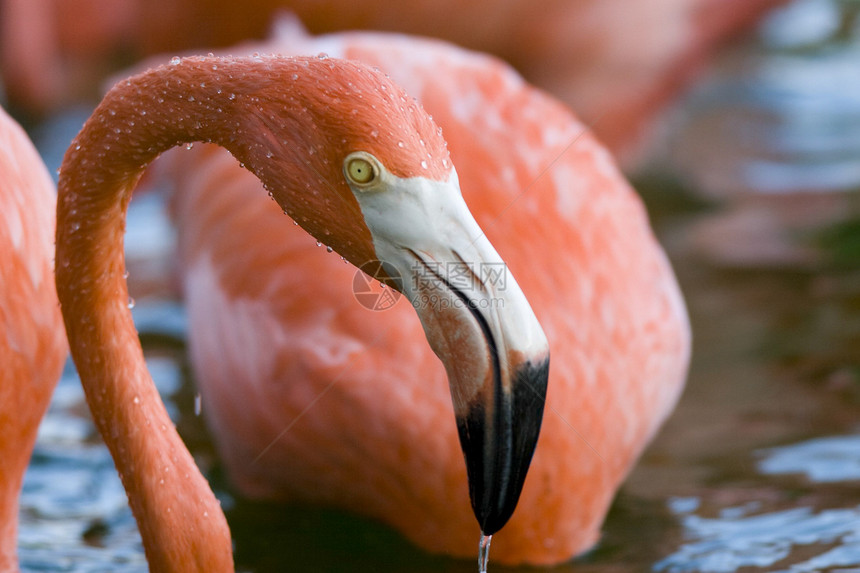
column 360, row 171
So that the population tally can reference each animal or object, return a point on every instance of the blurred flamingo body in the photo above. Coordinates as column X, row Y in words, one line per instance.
column 292, row 369
column 616, row 62
column 32, row 342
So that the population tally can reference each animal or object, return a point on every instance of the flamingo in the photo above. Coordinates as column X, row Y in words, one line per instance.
column 350, row 157
column 32, row 341
column 286, row 362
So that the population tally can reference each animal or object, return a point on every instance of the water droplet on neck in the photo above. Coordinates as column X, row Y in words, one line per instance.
column 329, row 249
column 175, row 60
column 484, row 552
column 189, row 145
column 130, row 303
column 423, row 164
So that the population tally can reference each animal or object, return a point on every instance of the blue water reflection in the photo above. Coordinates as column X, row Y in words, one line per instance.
column 785, row 118
column 822, row 460
column 740, row 538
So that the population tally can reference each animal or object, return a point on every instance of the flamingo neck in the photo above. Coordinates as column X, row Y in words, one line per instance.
column 181, row 522
column 282, row 119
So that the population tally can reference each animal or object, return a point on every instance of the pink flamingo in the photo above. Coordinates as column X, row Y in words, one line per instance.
column 32, row 342
column 315, row 364
column 357, row 163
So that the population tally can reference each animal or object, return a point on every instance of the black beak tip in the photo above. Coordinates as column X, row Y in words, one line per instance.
column 498, row 437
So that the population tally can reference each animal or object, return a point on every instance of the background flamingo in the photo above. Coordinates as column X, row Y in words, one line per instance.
column 616, row 62
column 291, row 369
column 32, row 342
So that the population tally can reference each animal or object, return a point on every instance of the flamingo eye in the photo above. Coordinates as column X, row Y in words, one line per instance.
column 360, row 171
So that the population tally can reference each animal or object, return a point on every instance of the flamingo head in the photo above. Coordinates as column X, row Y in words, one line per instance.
column 475, row 317
column 372, row 178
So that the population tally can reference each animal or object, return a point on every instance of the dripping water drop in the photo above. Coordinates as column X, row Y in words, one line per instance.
column 484, row 552
column 319, row 244
column 130, row 303
column 198, row 404
column 328, row 249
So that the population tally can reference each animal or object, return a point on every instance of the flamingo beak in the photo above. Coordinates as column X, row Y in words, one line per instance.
column 479, row 323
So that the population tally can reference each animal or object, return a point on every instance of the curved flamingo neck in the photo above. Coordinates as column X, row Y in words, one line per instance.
column 277, row 117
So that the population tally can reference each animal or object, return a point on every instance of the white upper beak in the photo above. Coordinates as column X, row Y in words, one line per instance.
column 477, row 321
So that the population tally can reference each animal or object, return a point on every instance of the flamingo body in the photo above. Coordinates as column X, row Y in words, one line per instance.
column 313, row 397
column 32, row 343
